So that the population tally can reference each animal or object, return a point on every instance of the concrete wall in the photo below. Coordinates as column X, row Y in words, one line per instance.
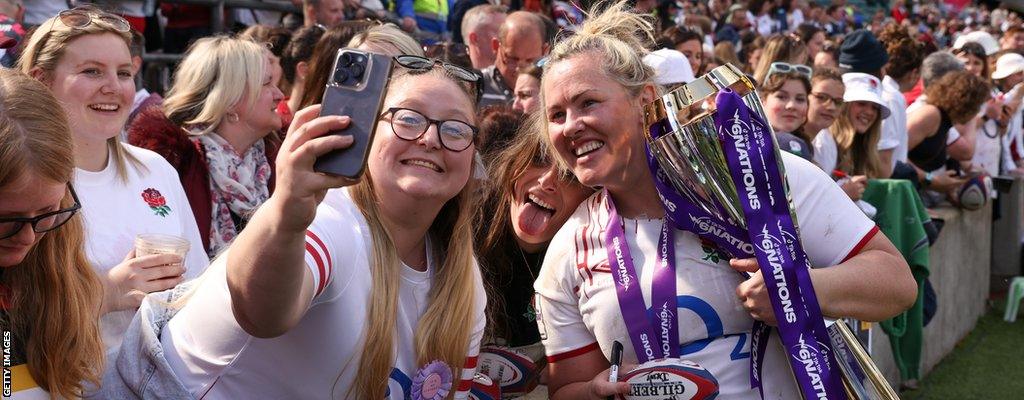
column 960, row 268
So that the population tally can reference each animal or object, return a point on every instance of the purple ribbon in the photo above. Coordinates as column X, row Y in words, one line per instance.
column 686, row 216
column 754, row 166
column 648, row 343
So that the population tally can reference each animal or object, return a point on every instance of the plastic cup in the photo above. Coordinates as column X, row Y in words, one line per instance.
column 156, row 243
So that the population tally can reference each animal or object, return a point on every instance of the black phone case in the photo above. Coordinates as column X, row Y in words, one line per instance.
column 356, row 89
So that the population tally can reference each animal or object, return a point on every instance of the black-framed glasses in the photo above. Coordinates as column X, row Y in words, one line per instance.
column 409, row 124
column 785, row 68
column 40, row 223
column 417, row 63
column 825, row 99
column 81, row 17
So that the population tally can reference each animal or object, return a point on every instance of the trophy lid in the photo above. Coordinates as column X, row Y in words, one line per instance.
column 695, row 99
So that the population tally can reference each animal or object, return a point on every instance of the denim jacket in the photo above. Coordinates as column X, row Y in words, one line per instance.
column 140, row 371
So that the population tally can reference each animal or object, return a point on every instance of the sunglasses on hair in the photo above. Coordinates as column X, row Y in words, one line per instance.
column 81, row 17
column 785, row 68
column 417, row 63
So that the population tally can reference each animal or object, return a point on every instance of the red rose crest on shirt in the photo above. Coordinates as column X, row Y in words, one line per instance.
column 156, row 202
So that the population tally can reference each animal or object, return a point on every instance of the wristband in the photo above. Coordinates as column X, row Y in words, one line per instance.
column 928, row 179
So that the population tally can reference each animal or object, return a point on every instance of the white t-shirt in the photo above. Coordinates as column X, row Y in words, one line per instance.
column 826, row 153
column 577, row 305
column 894, row 128
column 317, row 359
column 115, row 212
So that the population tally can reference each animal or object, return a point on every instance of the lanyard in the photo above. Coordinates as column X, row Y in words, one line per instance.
column 655, row 336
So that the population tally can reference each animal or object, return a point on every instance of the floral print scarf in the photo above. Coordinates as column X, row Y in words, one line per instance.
column 238, row 185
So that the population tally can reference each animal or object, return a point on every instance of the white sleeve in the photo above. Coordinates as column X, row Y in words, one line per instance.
column 473, row 353
column 825, row 151
column 561, row 325
column 954, row 134
column 890, row 133
column 333, row 240
column 832, row 227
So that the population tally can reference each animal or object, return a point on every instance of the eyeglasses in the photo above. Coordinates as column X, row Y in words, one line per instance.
column 40, row 223
column 825, row 99
column 417, row 63
column 81, row 17
column 785, row 68
column 409, row 124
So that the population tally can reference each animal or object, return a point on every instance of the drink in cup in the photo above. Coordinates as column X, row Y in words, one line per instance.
column 156, row 243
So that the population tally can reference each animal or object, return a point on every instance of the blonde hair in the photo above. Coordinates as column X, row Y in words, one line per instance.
column 443, row 330
column 786, row 48
column 216, row 74
column 621, row 38
column 54, row 292
column 46, row 48
column 387, row 35
column 857, row 153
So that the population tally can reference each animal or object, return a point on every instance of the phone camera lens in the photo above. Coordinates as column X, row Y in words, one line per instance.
column 356, row 70
column 340, row 76
column 345, row 60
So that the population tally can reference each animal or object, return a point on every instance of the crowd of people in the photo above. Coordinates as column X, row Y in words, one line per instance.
column 505, row 159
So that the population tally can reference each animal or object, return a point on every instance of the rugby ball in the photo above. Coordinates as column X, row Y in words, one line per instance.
column 484, row 388
column 513, row 371
column 974, row 193
column 670, row 378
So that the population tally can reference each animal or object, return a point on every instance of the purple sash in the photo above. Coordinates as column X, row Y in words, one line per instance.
column 754, row 166
column 648, row 342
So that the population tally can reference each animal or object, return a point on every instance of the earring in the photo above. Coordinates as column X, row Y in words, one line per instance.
column 233, row 117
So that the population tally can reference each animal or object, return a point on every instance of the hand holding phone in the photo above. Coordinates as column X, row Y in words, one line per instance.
column 356, row 89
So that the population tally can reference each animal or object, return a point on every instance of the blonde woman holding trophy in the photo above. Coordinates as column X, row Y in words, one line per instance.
column 587, row 299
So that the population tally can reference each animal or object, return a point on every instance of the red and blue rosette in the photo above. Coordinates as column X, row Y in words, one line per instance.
column 432, row 382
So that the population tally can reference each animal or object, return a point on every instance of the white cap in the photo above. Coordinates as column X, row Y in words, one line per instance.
column 1008, row 64
column 670, row 67
column 983, row 38
column 864, row 87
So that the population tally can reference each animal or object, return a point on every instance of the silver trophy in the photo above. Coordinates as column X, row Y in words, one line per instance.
column 684, row 141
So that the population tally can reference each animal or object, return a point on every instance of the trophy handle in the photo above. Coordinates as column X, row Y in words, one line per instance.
column 861, row 377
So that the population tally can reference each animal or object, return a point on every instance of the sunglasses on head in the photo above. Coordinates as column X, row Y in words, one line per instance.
column 81, row 17
column 417, row 63
column 785, row 68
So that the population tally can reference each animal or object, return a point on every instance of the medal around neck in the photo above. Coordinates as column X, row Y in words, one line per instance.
column 432, row 382
column 670, row 378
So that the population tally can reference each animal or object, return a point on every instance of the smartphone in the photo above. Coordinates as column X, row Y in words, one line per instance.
column 356, row 89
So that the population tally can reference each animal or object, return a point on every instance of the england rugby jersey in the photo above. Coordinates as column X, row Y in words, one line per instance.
column 318, row 358
column 578, row 310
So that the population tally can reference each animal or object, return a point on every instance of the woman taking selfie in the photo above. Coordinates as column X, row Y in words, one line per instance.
column 49, row 295
column 595, row 125
column 82, row 56
column 368, row 290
